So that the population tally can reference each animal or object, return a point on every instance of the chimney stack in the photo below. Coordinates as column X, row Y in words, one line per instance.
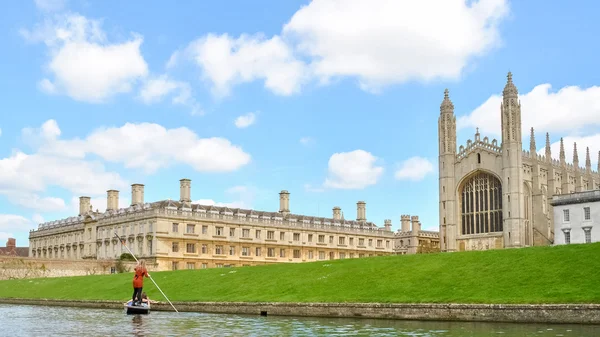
column 416, row 225
column 387, row 223
column 11, row 244
column 112, row 200
column 137, row 194
column 361, row 211
column 185, row 190
column 84, row 205
column 405, row 221
column 337, row 213
column 284, row 202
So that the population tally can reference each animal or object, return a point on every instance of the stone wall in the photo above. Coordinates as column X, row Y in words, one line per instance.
column 518, row 313
column 19, row 268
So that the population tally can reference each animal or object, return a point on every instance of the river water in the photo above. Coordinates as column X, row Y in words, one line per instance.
column 25, row 320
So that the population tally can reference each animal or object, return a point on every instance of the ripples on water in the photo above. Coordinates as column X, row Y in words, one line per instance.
column 22, row 320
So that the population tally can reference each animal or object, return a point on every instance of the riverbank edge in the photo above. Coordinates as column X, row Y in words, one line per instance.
column 512, row 313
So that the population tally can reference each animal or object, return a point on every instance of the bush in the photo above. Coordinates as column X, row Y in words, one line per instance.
column 121, row 268
column 126, row 257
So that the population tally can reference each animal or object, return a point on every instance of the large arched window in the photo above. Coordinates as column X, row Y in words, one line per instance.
column 481, row 204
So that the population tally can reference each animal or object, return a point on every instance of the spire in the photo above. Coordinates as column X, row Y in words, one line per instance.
column 575, row 156
column 532, row 148
column 510, row 90
column 548, row 152
column 588, row 160
column 447, row 106
column 562, row 151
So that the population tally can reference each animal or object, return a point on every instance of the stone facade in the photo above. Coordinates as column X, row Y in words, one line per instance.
column 411, row 239
column 180, row 234
column 498, row 195
column 577, row 217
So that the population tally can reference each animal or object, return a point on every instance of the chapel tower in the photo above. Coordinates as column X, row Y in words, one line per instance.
column 512, row 167
column 447, row 159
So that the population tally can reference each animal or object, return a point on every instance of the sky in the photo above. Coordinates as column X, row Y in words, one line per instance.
column 335, row 101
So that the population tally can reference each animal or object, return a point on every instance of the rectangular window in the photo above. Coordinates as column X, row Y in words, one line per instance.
column 190, row 229
column 271, row 235
column 310, row 237
column 321, row 255
column 351, row 255
column 204, row 229
column 379, row 243
column 361, row 255
column 310, row 254
column 204, row 265
column 341, row 240
column 231, row 250
column 282, row 236
column 232, row 232
column 219, row 265
column 191, row 248
column 296, row 253
column 351, row 241
column 370, row 242
column 387, row 243
column 331, row 239
column 567, row 237
column 257, row 234
column 271, row 252
column 219, row 231
column 245, row 233
column 175, row 247
column 361, row 242
column 331, row 255
column 296, row 236
column 586, row 213
column 282, row 252
column 342, row 255
column 257, row 251
column 191, row 265
column 175, row 265
column 175, row 228
column 245, row 251
column 219, row 249
column 588, row 235
column 321, row 238
column 566, row 215
column 204, row 248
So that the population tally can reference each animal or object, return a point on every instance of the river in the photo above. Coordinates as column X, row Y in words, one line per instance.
column 26, row 320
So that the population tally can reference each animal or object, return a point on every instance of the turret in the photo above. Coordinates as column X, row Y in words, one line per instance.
column 185, row 190
column 361, row 211
column 548, row 151
column 337, row 213
column 387, row 223
column 447, row 181
column 405, row 223
column 284, row 202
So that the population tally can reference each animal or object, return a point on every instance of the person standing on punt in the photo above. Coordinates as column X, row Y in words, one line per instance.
column 138, row 281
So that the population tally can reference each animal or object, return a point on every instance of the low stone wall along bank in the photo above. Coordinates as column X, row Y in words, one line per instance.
column 542, row 313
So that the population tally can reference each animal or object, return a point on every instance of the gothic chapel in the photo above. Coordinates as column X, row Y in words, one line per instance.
column 497, row 195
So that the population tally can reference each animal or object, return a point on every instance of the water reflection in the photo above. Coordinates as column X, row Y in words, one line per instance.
column 20, row 320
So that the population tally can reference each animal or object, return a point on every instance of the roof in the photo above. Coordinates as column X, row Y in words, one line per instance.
column 17, row 251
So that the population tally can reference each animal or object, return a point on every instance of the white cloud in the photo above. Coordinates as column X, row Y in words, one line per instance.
column 592, row 142
column 85, row 66
column 50, row 5
column 10, row 224
column 415, row 169
column 37, row 219
column 156, row 89
column 245, row 121
column 244, row 198
column 353, row 170
column 227, row 61
column 35, row 202
column 307, row 141
column 570, row 110
column 0, row 132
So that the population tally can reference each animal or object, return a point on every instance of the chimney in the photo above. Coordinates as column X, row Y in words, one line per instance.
column 361, row 211
column 11, row 244
column 185, row 190
column 84, row 205
column 416, row 225
column 137, row 194
column 284, row 202
column 405, row 220
column 337, row 213
column 112, row 200
column 387, row 223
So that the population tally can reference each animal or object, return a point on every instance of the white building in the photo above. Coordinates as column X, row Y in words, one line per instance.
column 576, row 217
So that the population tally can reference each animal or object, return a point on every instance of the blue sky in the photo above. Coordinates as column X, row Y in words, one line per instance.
column 334, row 101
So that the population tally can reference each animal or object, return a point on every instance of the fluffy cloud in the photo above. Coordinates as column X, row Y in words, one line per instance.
column 570, row 110
column 415, row 169
column 245, row 121
column 227, row 61
column 35, row 202
column 156, row 89
column 244, row 198
column 11, row 224
column 352, row 170
column 50, row 5
column 84, row 64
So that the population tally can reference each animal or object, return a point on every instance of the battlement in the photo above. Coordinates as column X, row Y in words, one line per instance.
column 405, row 217
column 477, row 143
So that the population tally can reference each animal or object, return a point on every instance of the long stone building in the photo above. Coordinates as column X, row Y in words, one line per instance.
column 498, row 195
column 181, row 234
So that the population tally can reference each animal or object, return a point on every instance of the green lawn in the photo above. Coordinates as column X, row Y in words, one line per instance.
column 564, row 274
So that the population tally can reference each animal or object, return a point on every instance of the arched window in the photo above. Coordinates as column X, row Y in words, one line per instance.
column 481, row 204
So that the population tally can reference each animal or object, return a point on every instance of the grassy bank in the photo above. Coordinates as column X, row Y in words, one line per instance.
column 564, row 274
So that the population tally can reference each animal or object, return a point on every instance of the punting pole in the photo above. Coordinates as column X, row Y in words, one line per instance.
column 130, row 252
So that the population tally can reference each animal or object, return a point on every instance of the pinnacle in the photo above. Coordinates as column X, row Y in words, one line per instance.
column 588, row 160
column 510, row 89
column 532, row 141
column 575, row 156
column 446, row 105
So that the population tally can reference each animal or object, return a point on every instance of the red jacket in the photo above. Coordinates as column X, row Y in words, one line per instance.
column 138, row 278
